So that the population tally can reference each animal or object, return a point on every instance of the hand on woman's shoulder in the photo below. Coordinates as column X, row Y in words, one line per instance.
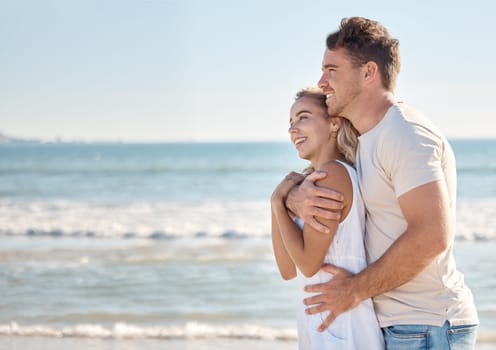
column 339, row 180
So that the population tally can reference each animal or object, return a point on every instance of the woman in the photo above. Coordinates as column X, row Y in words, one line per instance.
column 329, row 144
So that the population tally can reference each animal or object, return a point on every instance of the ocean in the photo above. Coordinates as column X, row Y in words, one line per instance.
column 167, row 246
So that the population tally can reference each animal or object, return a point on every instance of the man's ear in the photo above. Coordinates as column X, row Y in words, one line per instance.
column 370, row 71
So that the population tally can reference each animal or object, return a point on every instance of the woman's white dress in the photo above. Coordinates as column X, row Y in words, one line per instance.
column 357, row 329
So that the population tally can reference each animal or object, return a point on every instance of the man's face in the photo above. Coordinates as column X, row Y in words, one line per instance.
column 340, row 81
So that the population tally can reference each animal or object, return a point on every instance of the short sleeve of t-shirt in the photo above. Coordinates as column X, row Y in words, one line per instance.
column 411, row 156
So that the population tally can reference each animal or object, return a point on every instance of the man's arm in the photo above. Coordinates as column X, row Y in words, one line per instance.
column 309, row 202
column 427, row 212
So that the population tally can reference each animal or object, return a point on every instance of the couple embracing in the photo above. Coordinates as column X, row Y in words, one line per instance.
column 368, row 228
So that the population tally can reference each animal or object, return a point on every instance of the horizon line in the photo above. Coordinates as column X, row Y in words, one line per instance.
column 10, row 139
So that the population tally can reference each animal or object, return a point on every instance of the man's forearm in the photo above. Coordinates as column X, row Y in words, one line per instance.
column 428, row 234
column 406, row 258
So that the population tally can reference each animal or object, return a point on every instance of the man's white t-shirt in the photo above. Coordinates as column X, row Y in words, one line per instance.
column 404, row 151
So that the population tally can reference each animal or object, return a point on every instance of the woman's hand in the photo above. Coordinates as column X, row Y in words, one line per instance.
column 310, row 201
column 281, row 192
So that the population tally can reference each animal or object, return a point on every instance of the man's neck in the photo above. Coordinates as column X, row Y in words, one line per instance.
column 371, row 110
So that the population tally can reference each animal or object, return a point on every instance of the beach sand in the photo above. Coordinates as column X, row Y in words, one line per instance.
column 42, row 343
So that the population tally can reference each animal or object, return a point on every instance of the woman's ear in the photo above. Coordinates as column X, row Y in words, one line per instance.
column 335, row 124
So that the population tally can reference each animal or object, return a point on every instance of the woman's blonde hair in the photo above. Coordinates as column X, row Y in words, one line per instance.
column 347, row 136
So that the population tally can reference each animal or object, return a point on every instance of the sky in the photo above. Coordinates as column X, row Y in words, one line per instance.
column 223, row 70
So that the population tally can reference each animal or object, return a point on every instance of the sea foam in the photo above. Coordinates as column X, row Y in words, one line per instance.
column 191, row 330
column 476, row 219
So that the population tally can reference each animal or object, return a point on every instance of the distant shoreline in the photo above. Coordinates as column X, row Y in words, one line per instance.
column 10, row 140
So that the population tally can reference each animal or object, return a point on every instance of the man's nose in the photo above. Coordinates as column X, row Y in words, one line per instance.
column 322, row 82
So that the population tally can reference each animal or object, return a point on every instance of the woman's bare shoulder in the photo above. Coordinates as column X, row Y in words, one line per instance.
column 338, row 179
column 337, row 175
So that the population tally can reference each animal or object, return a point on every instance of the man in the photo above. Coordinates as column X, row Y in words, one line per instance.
column 407, row 178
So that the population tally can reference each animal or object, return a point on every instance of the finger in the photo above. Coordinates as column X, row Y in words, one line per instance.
column 313, row 300
column 295, row 174
column 317, row 225
column 334, row 270
column 324, row 213
column 327, row 322
column 316, row 309
column 316, row 288
column 299, row 179
column 295, row 178
column 326, row 203
column 291, row 175
column 324, row 192
column 316, row 175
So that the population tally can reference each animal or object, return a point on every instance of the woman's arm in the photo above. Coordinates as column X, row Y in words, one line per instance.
column 312, row 203
column 284, row 263
column 308, row 250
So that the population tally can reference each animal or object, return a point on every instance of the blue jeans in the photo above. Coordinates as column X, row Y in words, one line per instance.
column 425, row 337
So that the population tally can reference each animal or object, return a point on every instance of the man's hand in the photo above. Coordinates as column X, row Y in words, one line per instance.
column 337, row 296
column 309, row 201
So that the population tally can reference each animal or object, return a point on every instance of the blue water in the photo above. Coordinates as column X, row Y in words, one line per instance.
column 157, row 172
column 476, row 168
column 174, row 238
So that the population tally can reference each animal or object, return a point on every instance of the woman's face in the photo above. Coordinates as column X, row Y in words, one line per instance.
column 309, row 127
